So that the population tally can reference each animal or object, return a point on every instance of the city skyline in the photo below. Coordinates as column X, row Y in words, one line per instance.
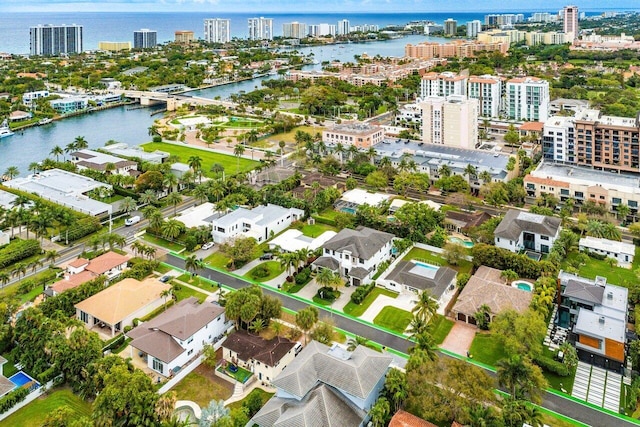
column 305, row 6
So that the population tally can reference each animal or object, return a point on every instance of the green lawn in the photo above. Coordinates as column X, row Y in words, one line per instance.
column 274, row 267
column 328, row 213
column 202, row 386
column 441, row 328
column 183, row 292
column 316, row 229
column 230, row 163
column 486, row 348
column 616, row 275
column 175, row 247
column 291, row 135
column 35, row 413
column 241, row 374
column 358, row 310
column 423, row 255
column 263, row 395
column 218, row 260
column 393, row 318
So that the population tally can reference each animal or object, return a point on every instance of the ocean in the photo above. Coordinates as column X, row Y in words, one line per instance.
column 119, row 26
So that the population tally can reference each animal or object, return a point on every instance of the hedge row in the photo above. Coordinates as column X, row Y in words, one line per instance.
column 12, row 399
column 82, row 227
column 503, row 259
column 553, row 366
column 18, row 250
column 324, row 220
column 303, row 276
column 361, row 293
column 48, row 375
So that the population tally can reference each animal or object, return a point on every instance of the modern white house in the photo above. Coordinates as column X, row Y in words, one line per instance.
column 177, row 335
column 356, row 254
column 520, row 230
column 101, row 162
column 261, row 222
column 326, row 386
column 620, row 251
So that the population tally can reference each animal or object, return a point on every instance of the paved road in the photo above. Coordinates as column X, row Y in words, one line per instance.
column 552, row 402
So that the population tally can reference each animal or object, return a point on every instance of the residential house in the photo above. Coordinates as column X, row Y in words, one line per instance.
column 261, row 222
column 620, row 251
column 596, row 314
column 356, row 254
column 123, row 150
column 79, row 271
column 352, row 199
column 461, row 222
column 177, row 335
column 101, row 162
column 405, row 419
column 521, row 230
column 265, row 358
column 326, row 386
column 416, row 277
column 486, row 287
column 115, row 307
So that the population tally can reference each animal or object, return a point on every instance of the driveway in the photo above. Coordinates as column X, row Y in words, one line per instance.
column 460, row 338
column 597, row 386
column 404, row 301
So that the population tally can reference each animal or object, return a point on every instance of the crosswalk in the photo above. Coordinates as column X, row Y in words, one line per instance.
column 597, row 386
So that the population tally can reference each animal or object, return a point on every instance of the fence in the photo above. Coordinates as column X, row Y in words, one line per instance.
column 30, row 398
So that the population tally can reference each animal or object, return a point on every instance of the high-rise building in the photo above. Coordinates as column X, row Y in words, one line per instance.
column 473, row 28
column 443, row 84
column 450, row 27
column 343, row 27
column 558, row 139
column 450, row 121
column 527, row 99
column 114, row 46
column 183, row 36
column 294, row 30
column 322, row 30
column 488, row 91
column 260, row 28
column 145, row 39
column 217, row 30
column 49, row 40
column 570, row 21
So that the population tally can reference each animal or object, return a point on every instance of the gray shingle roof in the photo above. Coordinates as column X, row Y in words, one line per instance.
column 436, row 285
column 359, row 272
column 576, row 289
column 357, row 375
column 515, row 222
column 248, row 347
column 362, row 242
column 322, row 407
column 327, row 262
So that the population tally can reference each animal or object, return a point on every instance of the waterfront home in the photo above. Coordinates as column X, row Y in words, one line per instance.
column 105, row 163
column 115, row 307
column 123, row 150
column 70, row 104
column 264, row 358
column 521, row 230
column 178, row 334
column 356, row 254
column 329, row 385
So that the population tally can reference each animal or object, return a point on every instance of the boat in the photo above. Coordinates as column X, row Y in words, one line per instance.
column 44, row 121
column 4, row 130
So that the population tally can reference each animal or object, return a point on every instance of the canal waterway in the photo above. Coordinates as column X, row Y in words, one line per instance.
column 131, row 126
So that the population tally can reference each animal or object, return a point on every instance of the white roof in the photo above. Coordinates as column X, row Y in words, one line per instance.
column 98, row 158
column 361, row 197
column 260, row 215
column 197, row 215
column 593, row 324
column 6, row 199
column 122, row 149
column 608, row 245
column 293, row 240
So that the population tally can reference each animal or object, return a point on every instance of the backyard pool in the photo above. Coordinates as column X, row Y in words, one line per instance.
column 522, row 285
column 459, row 241
column 20, row 379
column 348, row 210
column 425, row 265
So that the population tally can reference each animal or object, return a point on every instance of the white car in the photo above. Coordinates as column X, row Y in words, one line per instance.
column 207, row 245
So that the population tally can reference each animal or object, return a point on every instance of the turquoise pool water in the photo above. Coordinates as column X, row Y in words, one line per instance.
column 425, row 265
column 459, row 241
column 20, row 379
column 351, row 211
column 522, row 285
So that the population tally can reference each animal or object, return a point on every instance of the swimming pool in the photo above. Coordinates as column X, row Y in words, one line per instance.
column 425, row 265
column 522, row 285
column 459, row 241
column 351, row 211
column 20, row 379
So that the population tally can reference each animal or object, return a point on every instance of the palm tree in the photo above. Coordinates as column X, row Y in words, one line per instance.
column 195, row 163
column 238, row 151
column 174, row 199
column 444, row 171
column 149, row 251
column 57, row 151
column 288, row 260
column 148, row 197
column 371, row 153
column 327, row 278
column 485, row 176
column 471, row 172
column 80, row 143
column 128, row 204
column 165, row 294
column 426, row 306
column 282, row 144
column 4, row 278
column 339, row 149
column 170, row 181
column 201, row 193
column 354, row 342
column 172, row 228
column 380, row 412
column 12, row 172
column 509, row 276
column 137, row 247
column 623, row 212
column 217, row 169
column 193, row 263
column 417, row 325
column 51, row 255
column 426, row 344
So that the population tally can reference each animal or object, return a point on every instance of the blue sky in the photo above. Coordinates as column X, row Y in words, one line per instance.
column 297, row 6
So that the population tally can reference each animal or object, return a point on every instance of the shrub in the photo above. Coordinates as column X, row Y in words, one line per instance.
column 503, row 259
column 18, row 250
column 553, row 366
column 260, row 271
column 11, row 399
column 463, row 279
column 82, row 227
column 327, row 293
column 323, row 220
column 157, row 138
column 361, row 293
column 48, row 375
column 303, row 276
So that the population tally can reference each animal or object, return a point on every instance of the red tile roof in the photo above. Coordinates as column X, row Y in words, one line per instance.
column 405, row 419
column 106, row 262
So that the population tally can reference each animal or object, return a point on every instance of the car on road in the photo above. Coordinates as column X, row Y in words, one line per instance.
column 165, row 279
column 207, row 245
column 132, row 220
column 267, row 256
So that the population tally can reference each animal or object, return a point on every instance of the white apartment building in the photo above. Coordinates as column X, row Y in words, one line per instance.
column 360, row 134
column 450, row 27
column 520, row 230
column 488, row 91
column 527, row 99
column 145, row 39
column 261, row 222
column 51, row 40
column 343, row 27
column 294, row 30
column 570, row 21
column 473, row 28
column 260, row 28
column 217, row 30
column 29, row 97
column 450, row 121
column 442, row 84
column 320, row 30
column 558, row 139
column 534, row 38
